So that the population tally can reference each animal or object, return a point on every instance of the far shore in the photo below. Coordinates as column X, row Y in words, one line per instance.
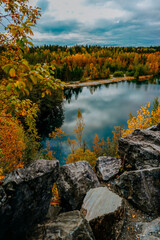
column 104, row 81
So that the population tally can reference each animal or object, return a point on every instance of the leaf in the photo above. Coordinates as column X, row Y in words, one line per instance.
column 43, row 94
column 40, row 76
column 9, row 86
column 7, row 67
column 12, row 72
column 34, row 80
column 26, row 91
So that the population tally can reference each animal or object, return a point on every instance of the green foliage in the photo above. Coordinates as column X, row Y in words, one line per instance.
column 155, row 104
column 130, row 73
column 118, row 74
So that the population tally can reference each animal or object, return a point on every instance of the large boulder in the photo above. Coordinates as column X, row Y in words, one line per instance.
column 107, row 167
column 151, row 230
column 67, row 226
column 25, row 197
column 73, row 183
column 142, row 188
column 105, row 212
column 141, row 149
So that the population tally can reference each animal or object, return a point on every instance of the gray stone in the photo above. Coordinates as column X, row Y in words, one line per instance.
column 105, row 212
column 68, row 226
column 53, row 212
column 73, row 183
column 142, row 188
column 151, row 230
column 107, row 167
column 25, row 197
column 141, row 149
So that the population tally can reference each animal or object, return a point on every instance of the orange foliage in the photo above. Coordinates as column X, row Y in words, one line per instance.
column 12, row 143
column 55, row 196
column 98, row 145
column 79, row 128
column 57, row 133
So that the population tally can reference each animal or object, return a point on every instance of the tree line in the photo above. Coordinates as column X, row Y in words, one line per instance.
column 80, row 63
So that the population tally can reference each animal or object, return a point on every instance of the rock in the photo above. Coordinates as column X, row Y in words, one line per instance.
column 151, row 230
column 53, row 212
column 25, row 197
column 105, row 212
column 142, row 188
column 141, row 149
column 155, row 128
column 73, row 183
column 107, row 167
column 68, row 226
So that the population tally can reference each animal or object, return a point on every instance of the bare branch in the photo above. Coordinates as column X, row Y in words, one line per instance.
column 4, row 16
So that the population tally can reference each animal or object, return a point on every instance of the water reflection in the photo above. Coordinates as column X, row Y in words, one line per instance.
column 105, row 106
column 51, row 114
column 69, row 93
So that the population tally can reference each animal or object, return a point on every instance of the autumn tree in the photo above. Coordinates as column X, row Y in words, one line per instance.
column 18, row 77
column 145, row 117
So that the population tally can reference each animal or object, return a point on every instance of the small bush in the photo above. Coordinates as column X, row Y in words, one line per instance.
column 118, row 74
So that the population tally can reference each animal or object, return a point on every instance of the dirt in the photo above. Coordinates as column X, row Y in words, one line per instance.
column 103, row 81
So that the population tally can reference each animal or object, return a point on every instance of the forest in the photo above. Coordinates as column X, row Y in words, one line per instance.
column 80, row 63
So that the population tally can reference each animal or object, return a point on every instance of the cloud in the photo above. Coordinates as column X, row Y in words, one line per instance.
column 112, row 22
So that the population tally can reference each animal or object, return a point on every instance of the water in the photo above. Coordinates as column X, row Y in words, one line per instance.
column 103, row 107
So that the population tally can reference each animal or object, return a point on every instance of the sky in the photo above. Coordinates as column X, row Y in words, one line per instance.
column 101, row 22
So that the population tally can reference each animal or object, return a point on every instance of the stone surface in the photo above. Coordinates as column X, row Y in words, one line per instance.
column 53, row 212
column 24, row 198
column 142, row 188
column 151, row 230
column 141, row 149
column 105, row 212
column 107, row 167
column 73, row 183
column 68, row 226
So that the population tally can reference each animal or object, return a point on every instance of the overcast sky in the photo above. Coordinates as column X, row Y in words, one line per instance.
column 102, row 22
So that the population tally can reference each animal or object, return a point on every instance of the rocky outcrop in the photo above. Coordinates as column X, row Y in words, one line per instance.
column 105, row 212
column 24, row 198
column 141, row 149
column 142, row 188
column 73, row 183
column 107, row 167
column 67, row 226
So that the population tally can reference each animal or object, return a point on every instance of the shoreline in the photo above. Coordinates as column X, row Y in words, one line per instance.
column 104, row 81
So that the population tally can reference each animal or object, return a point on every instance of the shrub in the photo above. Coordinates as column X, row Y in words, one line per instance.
column 118, row 74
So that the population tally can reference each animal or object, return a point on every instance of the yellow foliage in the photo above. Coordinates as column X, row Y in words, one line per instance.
column 144, row 119
column 81, row 155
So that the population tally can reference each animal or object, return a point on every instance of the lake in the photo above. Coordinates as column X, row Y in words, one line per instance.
column 102, row 108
